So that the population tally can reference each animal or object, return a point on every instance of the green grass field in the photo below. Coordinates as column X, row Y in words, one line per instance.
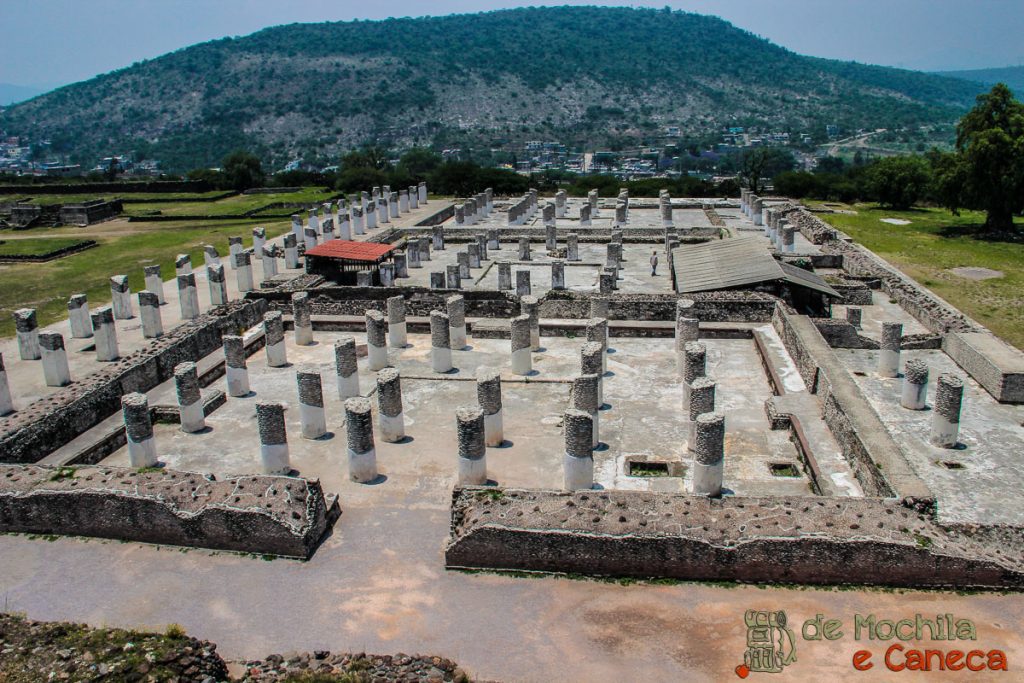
column 124, row 248
column 932, row 245
column 231, row 206
column 31, row 246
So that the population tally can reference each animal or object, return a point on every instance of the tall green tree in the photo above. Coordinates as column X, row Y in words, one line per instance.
column 899, row 182
column 986, row 172
column 243, row 170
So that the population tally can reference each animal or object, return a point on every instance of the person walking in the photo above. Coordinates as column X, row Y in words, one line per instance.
column 654, row 263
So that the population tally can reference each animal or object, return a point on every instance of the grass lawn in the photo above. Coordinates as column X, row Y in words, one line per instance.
column 932, row 245
column 124, row 248
column 231, row 206
column 33, row 246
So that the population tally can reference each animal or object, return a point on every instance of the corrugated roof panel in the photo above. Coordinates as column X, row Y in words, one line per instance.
column 351, row 251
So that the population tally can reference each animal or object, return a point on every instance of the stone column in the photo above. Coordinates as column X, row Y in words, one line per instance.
column 273, row 330
column 456, row 309
column 139, row 429
column 599, row 307
column 548, row 216
column 606, row 282
column 597, row 331
column 687, row 330
column 190, row 404
column 586, row 397
column 454, row 279
column 694, row 366
column 362, row 456
column 666, row 214
column 592, row 199
column 357, row 221
column 522, row 363
column 182, row 264
column 188, row 297
column 383, row 215
column 235, row 246
column 915, row 384
column 504, row 276
column 346, row 367
column 210, row 256
column 268, row 262
column 440, row 342
column 55, row 359
column 788, row 239
column 437, row 279
column 756, row 208
column 530, row 306
column 613, row 257
column 889, row 354
column 393, row 206
column 78, row 316
column 291, row 252
column 218, row 287
column 371, row 215
column 376, row 340
column 389, row 405
column 274, row 458
column 620, row 215
column 474, row 255
column 403, row 201
column 424, row 248
column 493, row 240
column 106, row 334
column 422, row 190
column 949, row 395
column 592, row 363
column 312, row 416
column 462, row 259
column 488, row 392
column 853, row 316
column 388, row 271
column 397, row 337
column 578, row 463
column 522, row 282
column 243, row 271
column 259, row 238
column 27, row 330
column 6, row 404
column 313, row 221
column 309, row 237
column 121, row 298
column 481, row 242
column 469, row 424
column 235, row 369
column 412, row 255
column 460, row 214
column 302, row 322
column 572, row 247
column 558, row 275
column 524, row 249
column 709, row 454
column 149, row 311
column 585, row 216
column 154, row 282
column 560, row 204
column 344, row 225
column 702, row 400
column 437, row 236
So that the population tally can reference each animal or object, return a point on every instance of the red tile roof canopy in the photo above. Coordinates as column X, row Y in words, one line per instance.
column 352, row 251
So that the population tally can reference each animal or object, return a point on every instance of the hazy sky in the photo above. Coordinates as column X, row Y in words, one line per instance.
column 56, row 42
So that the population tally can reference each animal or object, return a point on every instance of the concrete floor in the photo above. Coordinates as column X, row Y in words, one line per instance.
column 642, row 417
column 987, row 489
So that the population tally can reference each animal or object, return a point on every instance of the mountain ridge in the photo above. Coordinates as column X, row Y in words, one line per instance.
column 587, row 76
column 1013, row 76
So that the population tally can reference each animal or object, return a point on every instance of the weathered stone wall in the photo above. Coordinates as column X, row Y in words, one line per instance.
column 874, row 456
column 419, row 301
column 37, row 430
column 723, row 306
column 89, row 212
column 771, row 539
column 259, row 514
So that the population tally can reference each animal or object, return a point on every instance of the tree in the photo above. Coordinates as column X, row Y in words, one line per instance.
column 986, row 172
column 242, row 170
column 419, row 162
column 899, row 181
column 763, row 162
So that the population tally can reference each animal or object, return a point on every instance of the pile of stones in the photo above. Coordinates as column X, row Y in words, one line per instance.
column 356, row 667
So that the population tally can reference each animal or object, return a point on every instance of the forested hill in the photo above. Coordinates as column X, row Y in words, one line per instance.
column 1012, row 76
column 580, row 75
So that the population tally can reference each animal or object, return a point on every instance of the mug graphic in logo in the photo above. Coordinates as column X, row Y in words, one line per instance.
column 770, row 645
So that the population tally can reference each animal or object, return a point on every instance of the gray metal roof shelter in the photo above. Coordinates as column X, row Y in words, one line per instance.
column 738, row 262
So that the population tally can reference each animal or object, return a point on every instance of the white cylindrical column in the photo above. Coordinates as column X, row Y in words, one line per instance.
column 456, row 309
column 709, row 457
column 273, row 330
column 578, row 463
column 346, row 367
column 78, row 317
column 389, row 405
column 139, row 430
column 585, row 398
column 149, row 311
column 154, row 282
column 243, row 271
column 121, row 298
column 440, row 342
column 6, row 403
column 105, row 334
column 915, row 384
column 301, row 319
column 55, row 359
column 218, row 287
column 190, row 403
column 188, row 297
column 530, row 306
column 27, row 329
column 235, row 369
column 889, row 353
column 949, row 396
column 469, row 425
column 376, row 340
column 274, row 457
column 522, row 363
column 397, row 337
column 488, row 394
column 182, row 264
column 362, row 455
column 311, row 403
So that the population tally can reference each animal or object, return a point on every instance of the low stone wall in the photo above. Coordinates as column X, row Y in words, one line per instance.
column 439, row 217
column 419, row 301
column 876, row 459
column 770, row 539
column 40, row 428
column 722, row 306
column 996, row 365
column 258, row 514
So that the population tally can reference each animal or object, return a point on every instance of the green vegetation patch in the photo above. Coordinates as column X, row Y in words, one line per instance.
column 932, row 244
column 36, row 247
